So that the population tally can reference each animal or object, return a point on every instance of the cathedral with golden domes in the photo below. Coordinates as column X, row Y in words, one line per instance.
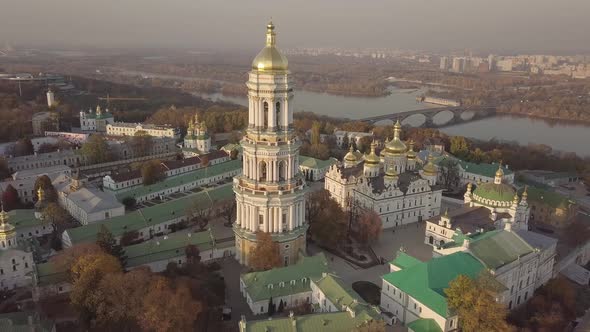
column 394, row 183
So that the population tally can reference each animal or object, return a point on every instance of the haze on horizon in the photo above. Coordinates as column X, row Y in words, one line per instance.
column 499, row 25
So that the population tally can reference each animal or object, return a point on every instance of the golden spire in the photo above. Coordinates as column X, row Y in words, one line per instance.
column 40, row 194
column 3, row 216
column 525, row 194
column 515, row 198
column 397, row 128
column 350, row 155
column 500, row 171
column 270, row 34
column 447, row 212
column 372, row 158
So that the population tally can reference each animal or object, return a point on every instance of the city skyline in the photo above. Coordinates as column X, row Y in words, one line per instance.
column 503, row 26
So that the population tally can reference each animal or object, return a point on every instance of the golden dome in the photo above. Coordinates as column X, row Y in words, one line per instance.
column 372, row 158
column 350, row 155
column 270, row 58
column 6, row 229
column 396, row 146
column 390, row 174
column 429, row 169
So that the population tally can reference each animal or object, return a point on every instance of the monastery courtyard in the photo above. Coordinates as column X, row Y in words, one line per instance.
column 411, row 237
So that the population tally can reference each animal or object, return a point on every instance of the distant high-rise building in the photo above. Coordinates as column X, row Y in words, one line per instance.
column 50, row 98
column 491, row 62
column 458, row 65
column 444, row 63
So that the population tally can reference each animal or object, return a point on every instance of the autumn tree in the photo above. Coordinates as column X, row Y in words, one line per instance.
column 10, row 200
column 449, row 173
column 87, row 272
column 106, row 241
column 45, row 182
column 152, row 172
column 56, row 216
column 327, row 220
column 4, row 170
column 368, row 226
column 315, row 133
column 199, row 213
column 66, row 258
column 121, row 299
column 193, row 254
column 476, row 306
column 266, row 253
column 167, row 308
column 459, row 146
column 96, row 150
column 22, row 147
column 364, row 144
column 228, row 210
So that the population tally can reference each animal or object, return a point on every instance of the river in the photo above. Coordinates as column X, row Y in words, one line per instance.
column 560, row 136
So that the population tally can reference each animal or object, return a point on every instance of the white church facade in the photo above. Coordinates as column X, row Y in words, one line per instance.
column 392, row 185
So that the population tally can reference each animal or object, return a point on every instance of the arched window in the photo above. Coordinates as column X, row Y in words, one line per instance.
column 278, row 114
column 282, row 170
column 265, row 107
column 431, row 240
column 262, row 171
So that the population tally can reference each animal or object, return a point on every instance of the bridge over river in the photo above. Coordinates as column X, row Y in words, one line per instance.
column 478, row 112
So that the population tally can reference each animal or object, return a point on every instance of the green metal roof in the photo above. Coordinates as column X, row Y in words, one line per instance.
column 498, row 248
column 19, row 322
column 337, row 292
column 172, row 246
column 23, row 218
column 181, row 180
column 308, row 267
column 548, row 197
column 498, row 192
column 424, row 325
column 150, row 216
column 487, row 170
column 50, row 273
column 403, row 260
column 316, row 163
column 426, row 281
column 321, row 322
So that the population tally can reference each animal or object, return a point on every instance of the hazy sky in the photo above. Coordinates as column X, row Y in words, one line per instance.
column 503, row 25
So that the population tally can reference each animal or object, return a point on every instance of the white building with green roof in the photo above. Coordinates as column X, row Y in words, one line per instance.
column 414, row 290
column 197, row 140
column 148, row 221
column 315, row 169
column 16, row 256
column 501, row 199
column 520, row 260
column 290, row 284
column 339, row 321
column 184, row 182
column 96, row 121
column 475, row 172
column 158, row 253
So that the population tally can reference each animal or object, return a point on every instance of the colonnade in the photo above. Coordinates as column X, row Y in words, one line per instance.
column 277, row 113
column 273, row 219
column 270, row 170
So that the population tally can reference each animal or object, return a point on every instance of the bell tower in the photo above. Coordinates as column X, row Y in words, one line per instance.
column 270, row 193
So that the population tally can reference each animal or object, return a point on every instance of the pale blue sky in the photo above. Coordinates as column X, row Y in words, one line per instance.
column 521, row 25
